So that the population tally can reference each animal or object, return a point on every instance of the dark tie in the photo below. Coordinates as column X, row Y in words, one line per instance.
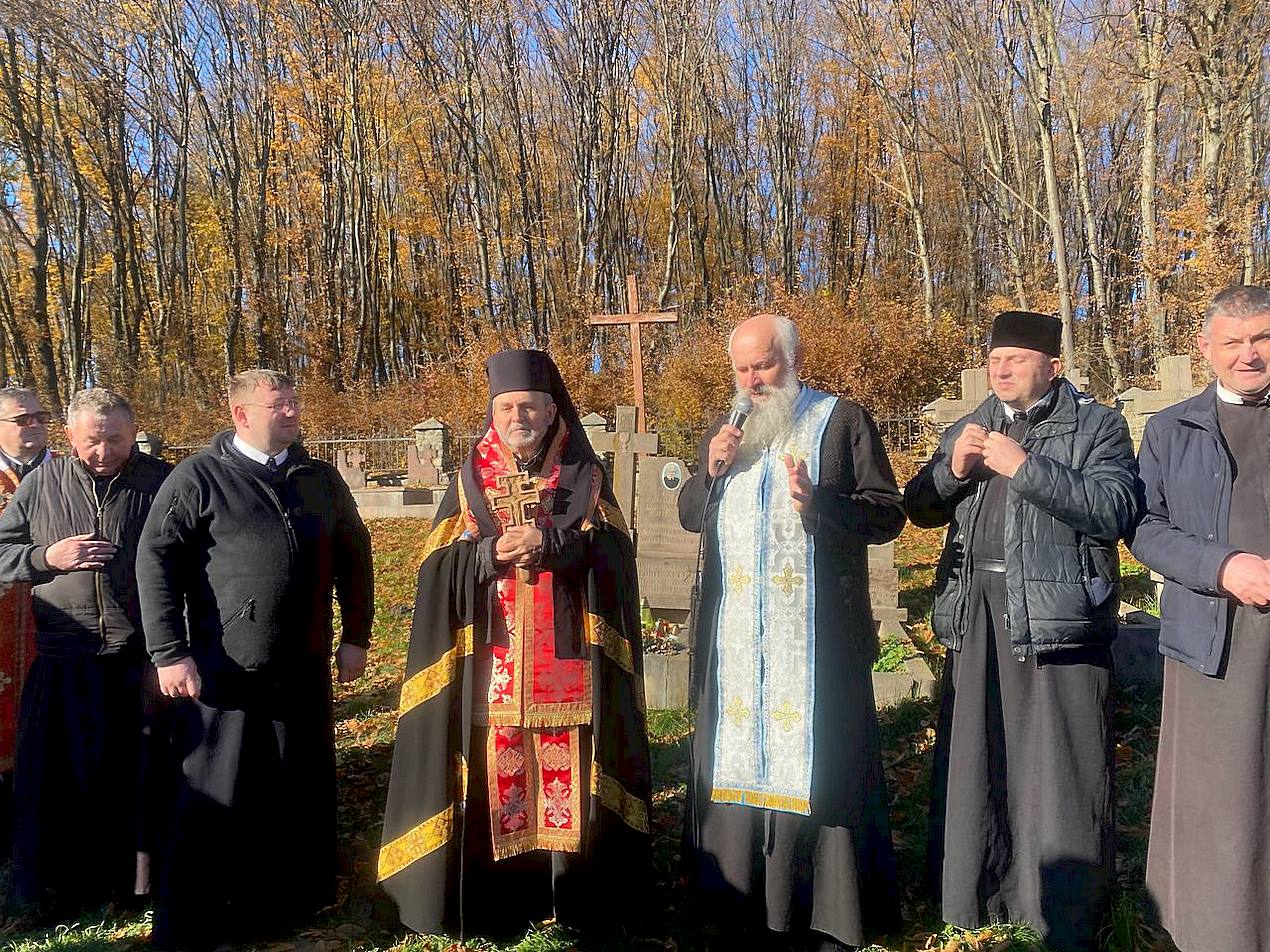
column 1264, row 401
column 272, row 466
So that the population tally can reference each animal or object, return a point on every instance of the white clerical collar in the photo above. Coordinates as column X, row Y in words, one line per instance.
column 18, row 466
column 252, row 453
column 1229, row 396
column 1026, row 414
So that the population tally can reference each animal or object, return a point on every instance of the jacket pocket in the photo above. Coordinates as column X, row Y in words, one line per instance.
column 1100, row 582
column 246, row 610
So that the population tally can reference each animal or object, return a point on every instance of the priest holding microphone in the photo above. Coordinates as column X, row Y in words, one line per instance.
column 787, row 828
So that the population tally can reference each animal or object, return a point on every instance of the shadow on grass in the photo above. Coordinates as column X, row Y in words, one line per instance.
column 370, row 702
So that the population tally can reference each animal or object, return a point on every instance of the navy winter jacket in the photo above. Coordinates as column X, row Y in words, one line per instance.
column 1187, row 479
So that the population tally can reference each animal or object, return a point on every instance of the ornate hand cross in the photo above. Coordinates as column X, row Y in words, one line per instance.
column 517, row 500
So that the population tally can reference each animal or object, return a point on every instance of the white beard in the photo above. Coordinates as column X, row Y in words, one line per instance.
column 770, row 420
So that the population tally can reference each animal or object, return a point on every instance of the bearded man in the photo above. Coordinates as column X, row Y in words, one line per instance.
column 520, row 781
column 787, row 818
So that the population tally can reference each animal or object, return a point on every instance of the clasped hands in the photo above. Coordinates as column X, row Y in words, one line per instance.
column 997, row 451
column 519, row 545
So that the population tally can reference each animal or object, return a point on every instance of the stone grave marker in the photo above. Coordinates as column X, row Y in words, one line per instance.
column 432, row 434
column 593, row 424
column 945, row 411
column 349, row 464
column 625, row 444
column 421, row 465
column 1139, row 405
column 666, row 554
column 884, row 591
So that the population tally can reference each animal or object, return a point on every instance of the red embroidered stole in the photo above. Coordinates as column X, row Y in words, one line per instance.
column 17, row 641
column 533, row 702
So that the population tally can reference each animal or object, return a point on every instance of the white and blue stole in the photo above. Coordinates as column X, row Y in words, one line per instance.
column 766, row 629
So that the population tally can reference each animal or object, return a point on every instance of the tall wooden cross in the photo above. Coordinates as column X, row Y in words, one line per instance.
column 624, row 443
column 633, row 318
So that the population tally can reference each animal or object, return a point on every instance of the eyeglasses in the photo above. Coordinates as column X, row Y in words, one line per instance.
column 30, row 419
column 278, row 406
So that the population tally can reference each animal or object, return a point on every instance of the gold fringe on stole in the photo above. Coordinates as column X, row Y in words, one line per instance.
column 612, row 795
column 417, row 843
column 426, row 684
column 768, row 801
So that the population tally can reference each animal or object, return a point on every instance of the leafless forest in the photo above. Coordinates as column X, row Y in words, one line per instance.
column 363, row 191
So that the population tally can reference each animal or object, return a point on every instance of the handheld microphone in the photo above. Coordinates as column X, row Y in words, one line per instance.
column 741, row 407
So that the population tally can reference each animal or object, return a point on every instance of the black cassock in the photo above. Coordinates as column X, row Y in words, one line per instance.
column 833, row 871
column 1022, row 821
column 436, row 861
column 81, row 742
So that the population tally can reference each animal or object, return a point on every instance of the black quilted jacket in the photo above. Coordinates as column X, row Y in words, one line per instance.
column 1070, row 502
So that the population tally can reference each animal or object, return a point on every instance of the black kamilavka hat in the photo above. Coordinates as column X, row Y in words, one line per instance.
column 1029, row 330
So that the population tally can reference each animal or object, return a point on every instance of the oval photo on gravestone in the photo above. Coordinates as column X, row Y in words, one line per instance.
column 672, row 475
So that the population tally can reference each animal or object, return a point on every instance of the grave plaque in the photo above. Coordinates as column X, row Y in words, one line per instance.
column 666, row 555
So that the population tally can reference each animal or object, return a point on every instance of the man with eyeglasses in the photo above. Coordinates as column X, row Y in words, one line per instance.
column 24, row 437
column 248, row 543
column 71, row 532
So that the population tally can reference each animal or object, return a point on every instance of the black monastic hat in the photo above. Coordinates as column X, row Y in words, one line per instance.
column 1029, row 330
column 510, row 370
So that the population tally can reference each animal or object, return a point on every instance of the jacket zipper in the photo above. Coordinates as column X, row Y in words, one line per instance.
column 293, row 547
column 246, row 610
column 100, row 507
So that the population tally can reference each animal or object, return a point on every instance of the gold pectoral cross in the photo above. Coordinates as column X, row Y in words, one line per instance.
column 516, row 503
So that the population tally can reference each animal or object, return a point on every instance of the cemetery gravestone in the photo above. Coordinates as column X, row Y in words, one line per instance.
column 349, row 463
column 1139, row 405
column 666, row 554
column 625, row 444
column 421, row 466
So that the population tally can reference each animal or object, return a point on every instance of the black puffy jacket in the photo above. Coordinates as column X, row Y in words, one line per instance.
column 80, row 613
column 238, row 572
column 1069, row 503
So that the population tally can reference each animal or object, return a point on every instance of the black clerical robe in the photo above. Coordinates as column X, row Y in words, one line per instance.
column 464, row 849
column 832, row 871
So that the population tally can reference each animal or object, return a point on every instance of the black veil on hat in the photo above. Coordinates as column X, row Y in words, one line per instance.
column 1029, row 330
column 510, row 370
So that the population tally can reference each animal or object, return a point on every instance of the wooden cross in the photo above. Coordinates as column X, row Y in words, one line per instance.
column 624, row 443
column 633, row 319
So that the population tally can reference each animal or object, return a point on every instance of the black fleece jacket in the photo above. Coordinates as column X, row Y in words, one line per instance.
column 237, row 568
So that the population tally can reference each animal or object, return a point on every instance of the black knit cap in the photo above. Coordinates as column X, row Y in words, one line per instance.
column 1029, row 330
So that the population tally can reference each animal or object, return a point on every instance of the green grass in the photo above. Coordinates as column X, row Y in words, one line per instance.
column 362, row 920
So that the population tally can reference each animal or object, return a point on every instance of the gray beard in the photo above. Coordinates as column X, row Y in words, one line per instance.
column 772, row 419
